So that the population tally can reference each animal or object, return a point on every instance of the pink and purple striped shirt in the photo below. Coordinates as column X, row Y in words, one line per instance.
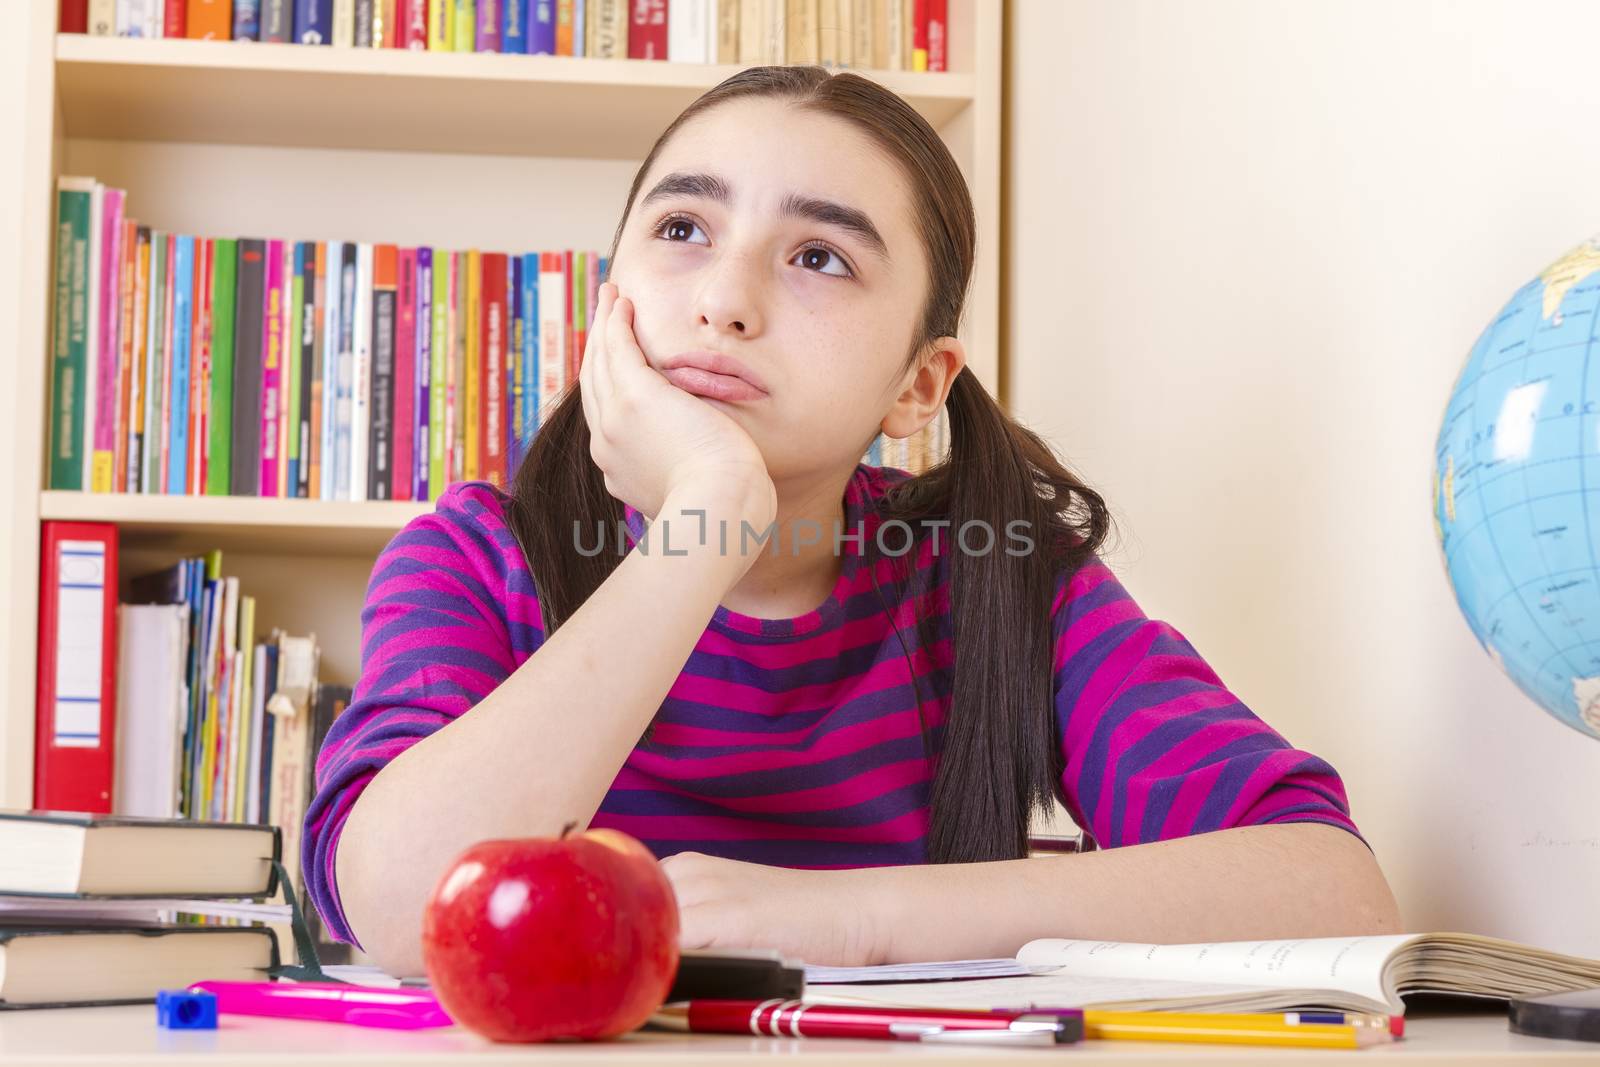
column 796, row 742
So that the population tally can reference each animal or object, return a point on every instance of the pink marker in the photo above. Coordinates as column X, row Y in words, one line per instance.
column 391, row 1009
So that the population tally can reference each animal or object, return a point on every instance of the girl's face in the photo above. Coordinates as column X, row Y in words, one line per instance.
column 785, row 240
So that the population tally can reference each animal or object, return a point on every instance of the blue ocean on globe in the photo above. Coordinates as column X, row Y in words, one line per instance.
column 1516, row 489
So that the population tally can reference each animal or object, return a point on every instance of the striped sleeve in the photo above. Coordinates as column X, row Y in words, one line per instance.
column 435, row 639
column 1155, row 745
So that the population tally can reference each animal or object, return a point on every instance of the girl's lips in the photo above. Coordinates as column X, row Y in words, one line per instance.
column 714, row 386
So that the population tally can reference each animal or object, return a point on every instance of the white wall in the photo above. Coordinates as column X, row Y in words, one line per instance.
column 1250, row 245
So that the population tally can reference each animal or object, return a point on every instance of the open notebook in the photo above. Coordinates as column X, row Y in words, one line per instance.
column 1335, row 973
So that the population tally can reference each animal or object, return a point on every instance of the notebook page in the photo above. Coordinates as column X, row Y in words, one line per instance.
column 1353, row 964
column 1056, row 990
column 914, row 972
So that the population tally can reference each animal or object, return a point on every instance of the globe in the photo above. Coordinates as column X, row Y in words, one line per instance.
column 1516, row 489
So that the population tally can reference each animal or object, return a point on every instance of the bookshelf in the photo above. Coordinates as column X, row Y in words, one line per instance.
column 318, row 143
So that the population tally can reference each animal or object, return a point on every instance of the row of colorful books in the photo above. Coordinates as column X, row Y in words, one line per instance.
column 163, row 704
column 323, row 370
column 318, row 369
column 873, row 34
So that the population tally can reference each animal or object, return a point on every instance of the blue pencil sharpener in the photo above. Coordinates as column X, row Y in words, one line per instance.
column 179, row 1009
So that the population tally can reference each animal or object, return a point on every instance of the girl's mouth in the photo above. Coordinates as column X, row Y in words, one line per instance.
column 713, row 386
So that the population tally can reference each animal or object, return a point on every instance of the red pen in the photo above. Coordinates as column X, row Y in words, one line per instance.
column 777, row 1017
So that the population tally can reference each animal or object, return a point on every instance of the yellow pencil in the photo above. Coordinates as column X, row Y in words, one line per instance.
column 1229, row 1028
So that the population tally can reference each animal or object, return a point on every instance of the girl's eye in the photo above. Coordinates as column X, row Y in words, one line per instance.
column 677, row 228
column 815, row 257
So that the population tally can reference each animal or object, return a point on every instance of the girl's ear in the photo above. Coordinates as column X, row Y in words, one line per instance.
column 928, row 385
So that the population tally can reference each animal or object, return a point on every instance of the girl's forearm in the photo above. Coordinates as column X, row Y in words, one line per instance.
column 1243, row 883
column 542, row 749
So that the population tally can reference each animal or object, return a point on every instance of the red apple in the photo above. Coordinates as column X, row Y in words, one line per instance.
column 536, row 938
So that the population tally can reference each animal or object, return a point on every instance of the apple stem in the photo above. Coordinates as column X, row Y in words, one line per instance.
column 567, row 829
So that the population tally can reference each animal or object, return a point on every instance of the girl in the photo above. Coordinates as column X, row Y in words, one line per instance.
column 829, row 696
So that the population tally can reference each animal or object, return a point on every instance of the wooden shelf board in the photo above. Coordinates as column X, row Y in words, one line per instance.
column 241, row 524
column 323, row 97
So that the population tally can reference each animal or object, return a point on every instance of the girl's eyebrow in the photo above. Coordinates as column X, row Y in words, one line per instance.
column 795, row 205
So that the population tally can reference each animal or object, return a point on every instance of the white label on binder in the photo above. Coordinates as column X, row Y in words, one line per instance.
column 80, row 606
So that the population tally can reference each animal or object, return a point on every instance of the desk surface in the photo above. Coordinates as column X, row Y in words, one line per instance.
column 129, row 1036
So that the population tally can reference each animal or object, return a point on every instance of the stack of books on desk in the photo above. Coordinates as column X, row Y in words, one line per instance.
column 87, row 904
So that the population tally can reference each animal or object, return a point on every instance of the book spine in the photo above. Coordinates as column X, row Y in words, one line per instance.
column 380, row 456
column 129, row 267
column 75, row 696
column 466, row 31
column 361, row 383
column 591, row 291
column 552, row 356
column 491, row 410
column 318, row 376
column 801, row 31
column 345, row 373
column 306, row 371
column 422, row 422
column 141, row 325
column 246, row 20
column 541, row 27
column 209, row 20
column 474, row 352
column 441, row 26
column 294, row 359
column 344, row 23
column 647, row 29
column 919, row 35
column 73, row 16
column 687, row 33
column 91, row 334
column 580, row 27
column 473, row 412
column 130, row 18
column 182, row 349
column 363, row 32
column 219, row 426
column 455, row 388
column 149, row 448
column 608, row 29
column 174, row 20
column 564, row 19
column 160, row 457
column 488, row 26
column 271, row 369
column 728, row 15
column 383, row 23
column 412, row 29
column 286, row 346
column 313, row 22
column 405, row 371
column 277, row 21
column 245, row 470
column 333, row 279
column 200, row 359
column 69, row 343
column 438, row 347
column 752, row 27
column 102, row 18
column 514, row 26
column 514, row 348
column 938, row 28
column 568, row 319
column 530, row 346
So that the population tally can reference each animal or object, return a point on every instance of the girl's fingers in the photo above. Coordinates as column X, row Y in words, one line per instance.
column 590, row 384
column 622, row 346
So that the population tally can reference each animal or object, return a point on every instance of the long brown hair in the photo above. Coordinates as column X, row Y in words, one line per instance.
column 1002, row 755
